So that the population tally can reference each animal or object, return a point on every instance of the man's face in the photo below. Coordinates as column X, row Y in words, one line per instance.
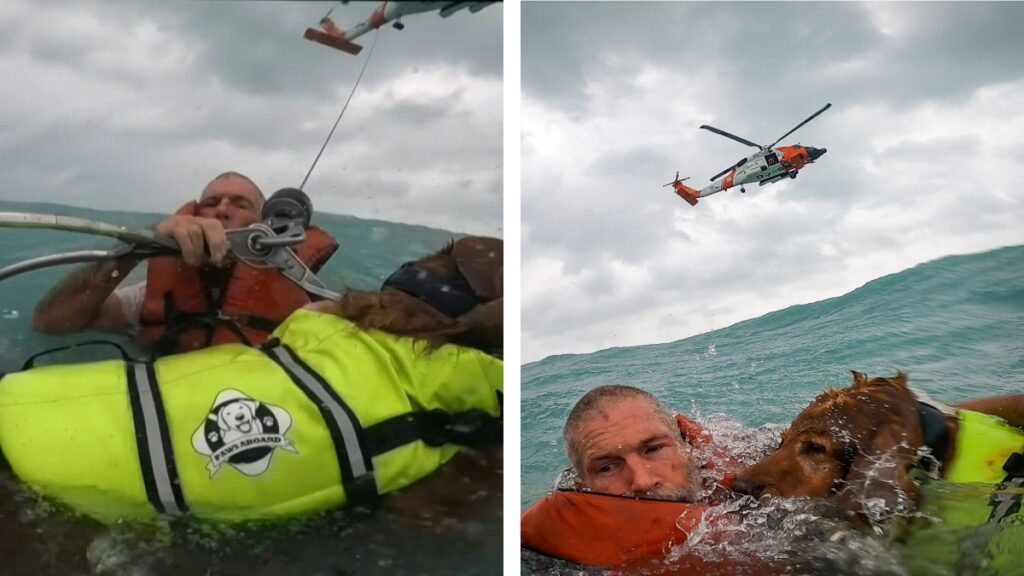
column 232, row 200
column 628, row 450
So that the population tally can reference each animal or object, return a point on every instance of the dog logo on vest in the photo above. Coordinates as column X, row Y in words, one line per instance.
column 242, row 432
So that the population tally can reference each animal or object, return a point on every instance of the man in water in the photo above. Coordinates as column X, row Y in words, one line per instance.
column 643, row 478
column 644, row 481
column 89, row 297
column 621, row 440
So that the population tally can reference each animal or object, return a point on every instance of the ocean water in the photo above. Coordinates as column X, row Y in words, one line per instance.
column 429, row 528
column 955, row 325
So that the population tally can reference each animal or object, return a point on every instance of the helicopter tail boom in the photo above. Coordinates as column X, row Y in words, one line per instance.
column 691, row 195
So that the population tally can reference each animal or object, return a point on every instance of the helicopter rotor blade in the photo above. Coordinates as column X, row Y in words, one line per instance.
column 719, row 175
column 676, row 181
column 811, row 117
column 731, row 136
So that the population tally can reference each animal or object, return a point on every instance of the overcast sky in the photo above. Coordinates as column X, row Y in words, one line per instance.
column 135, row 106
column 924, row 138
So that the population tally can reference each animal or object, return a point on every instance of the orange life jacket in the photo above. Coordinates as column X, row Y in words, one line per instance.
column 604, row 530
column 180, row 299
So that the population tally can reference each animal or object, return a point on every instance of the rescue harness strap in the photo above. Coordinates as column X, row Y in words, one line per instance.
column 342, row 113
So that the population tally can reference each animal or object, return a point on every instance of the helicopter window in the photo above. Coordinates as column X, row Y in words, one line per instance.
column 741, row 162
column 771, row 158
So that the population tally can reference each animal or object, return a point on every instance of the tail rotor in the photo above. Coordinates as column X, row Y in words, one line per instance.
column 688, row 194
column 676, row 181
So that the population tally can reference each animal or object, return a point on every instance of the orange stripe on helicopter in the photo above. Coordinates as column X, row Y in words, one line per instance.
column 728, row 180
column 377, row 19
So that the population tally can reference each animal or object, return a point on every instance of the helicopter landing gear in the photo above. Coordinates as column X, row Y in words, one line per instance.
column 792, row 175
column 398, row 26
column 743, row 190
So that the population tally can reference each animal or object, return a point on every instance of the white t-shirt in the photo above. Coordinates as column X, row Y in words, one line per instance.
column 132, row 298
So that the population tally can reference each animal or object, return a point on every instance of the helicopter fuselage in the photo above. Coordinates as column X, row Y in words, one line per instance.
column 766, row 166
column 769, row 164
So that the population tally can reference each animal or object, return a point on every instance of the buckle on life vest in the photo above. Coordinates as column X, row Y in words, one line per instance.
column 473, row 428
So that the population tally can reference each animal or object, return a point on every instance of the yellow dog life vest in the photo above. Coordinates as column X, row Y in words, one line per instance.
column 984, row 443
column 965, row 525
column 324, row 415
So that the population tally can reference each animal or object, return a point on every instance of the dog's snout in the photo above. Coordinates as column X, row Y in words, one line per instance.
column 239, row 417
column 748, row 486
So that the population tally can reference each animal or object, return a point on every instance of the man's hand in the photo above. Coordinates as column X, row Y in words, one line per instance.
column 201, row 240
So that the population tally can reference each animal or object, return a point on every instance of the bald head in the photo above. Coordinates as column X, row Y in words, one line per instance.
column 590, row 405
column 233, row 199
column 622, row 441
column 253, row 189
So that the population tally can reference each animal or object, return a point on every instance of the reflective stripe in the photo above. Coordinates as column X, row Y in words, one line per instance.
column 156, row 457
column 354, row 461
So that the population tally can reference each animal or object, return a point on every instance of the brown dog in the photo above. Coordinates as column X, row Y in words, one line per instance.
column 453, row 296
column 859, row 443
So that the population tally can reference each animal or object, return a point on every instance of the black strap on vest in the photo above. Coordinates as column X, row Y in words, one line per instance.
column 934, row 430
column 1006, row 500
column 156, row 456
column 473, row 429
column 354, row 459
column 168, row 342
column 32, row 359
column 177, row 322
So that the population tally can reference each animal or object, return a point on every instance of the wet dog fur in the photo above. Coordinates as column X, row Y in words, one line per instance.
column 854, row 444
column 476, row 259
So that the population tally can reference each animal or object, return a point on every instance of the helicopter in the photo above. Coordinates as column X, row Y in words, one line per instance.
column 330, row 35
column 765, row 166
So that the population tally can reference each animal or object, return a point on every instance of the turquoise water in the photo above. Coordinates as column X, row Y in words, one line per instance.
column 428, row 529
column 955, row 325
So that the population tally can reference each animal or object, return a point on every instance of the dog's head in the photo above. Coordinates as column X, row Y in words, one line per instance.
column 452, row 296
column 238, row 416
column 857, row 443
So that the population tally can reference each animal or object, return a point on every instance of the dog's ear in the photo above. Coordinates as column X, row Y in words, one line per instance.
column 878, row 483
column 481, row 261
column 860, row 379
column 483, row 327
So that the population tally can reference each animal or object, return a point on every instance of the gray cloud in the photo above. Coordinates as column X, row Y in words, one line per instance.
column 927, row 113
column 136, row 106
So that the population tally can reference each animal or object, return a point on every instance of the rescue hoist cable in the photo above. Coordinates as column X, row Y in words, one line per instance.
column 343, row 108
